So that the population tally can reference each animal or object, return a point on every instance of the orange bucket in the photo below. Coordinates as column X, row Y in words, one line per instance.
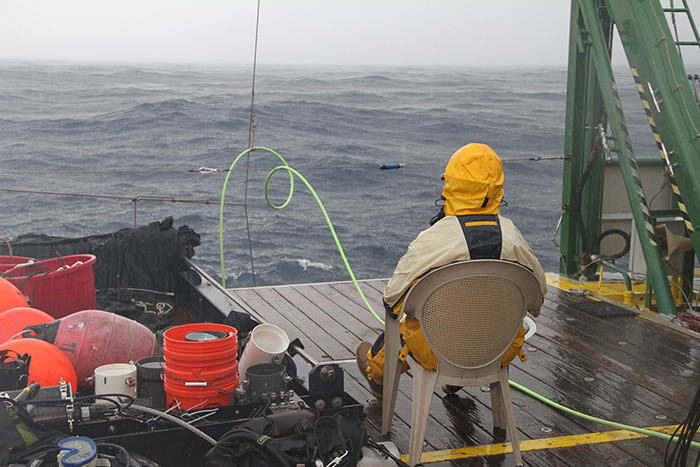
column 200, row 365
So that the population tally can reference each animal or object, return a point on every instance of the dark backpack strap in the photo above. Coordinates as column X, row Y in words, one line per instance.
column 14, row 370
column 339, row 438
column 483, row 235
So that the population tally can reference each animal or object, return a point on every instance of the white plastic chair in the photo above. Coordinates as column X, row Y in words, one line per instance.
column 470, row 313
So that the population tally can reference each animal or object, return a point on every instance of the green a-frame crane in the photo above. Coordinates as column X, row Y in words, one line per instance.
column 596, row 132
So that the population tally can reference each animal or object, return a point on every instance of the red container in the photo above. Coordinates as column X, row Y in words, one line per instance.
column 200, row 372
column 58, row 286
column 9, row 262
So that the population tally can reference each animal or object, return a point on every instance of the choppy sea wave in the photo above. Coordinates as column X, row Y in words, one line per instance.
column 121, row 132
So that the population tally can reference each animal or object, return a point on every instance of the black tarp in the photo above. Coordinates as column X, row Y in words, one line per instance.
column 136, row 269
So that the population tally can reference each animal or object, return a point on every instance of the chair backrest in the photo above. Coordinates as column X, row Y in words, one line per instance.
column 471, row 311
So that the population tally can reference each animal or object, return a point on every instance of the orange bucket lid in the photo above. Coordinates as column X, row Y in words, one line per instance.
column 13, row 321
column 10, row 296
column 48, row 364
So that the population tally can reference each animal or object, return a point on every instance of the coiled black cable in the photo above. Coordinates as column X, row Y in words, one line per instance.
column 625, row 237
column 678, row 447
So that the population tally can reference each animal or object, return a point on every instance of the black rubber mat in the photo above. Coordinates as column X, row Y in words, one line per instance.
column 601, row 309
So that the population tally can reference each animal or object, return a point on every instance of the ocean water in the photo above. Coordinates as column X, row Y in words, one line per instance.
column 125, row 131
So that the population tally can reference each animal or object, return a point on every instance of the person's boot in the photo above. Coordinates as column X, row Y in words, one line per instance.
column 363, row 365
column 449, row 390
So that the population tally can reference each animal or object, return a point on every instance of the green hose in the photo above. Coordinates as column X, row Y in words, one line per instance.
column 595, row 419
column 292, row 172
column 223, row 196
column 330, row 226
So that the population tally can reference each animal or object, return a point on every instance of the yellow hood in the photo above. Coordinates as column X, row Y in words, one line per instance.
column 473, row 181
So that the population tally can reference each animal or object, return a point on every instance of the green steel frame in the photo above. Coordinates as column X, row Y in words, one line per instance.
column 594, row 116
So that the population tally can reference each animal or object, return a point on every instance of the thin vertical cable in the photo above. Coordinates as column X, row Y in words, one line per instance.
column 251, row 143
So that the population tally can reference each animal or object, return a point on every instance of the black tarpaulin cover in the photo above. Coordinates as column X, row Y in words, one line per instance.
column 135, row 270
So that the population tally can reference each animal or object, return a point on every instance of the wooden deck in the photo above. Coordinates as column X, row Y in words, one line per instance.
column 630, row 370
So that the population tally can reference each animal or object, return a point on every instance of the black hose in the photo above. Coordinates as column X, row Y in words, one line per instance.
column 579, row 211
column 385, row 453
column 677, row 456
column 625, row 236
column 119, row 450
column 584, row 259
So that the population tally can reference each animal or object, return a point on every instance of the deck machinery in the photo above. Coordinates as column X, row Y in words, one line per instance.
column 607, row 213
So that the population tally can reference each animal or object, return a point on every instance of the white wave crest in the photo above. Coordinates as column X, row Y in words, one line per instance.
column 305, row 264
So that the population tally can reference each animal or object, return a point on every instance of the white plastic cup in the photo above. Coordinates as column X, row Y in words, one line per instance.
column 266, row 344
column 116, row 378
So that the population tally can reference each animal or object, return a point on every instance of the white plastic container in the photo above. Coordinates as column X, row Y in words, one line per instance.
column 266, row 344
column 116, row 378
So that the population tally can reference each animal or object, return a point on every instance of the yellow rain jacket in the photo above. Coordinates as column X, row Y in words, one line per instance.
column 473, row 185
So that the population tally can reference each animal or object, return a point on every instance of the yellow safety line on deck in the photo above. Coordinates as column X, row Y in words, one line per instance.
column 537, row 444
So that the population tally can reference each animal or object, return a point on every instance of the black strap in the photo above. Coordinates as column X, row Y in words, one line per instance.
column 18, row 359
column 14, row 370
column 482, row 233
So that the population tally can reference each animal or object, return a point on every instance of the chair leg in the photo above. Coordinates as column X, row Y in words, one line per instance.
column 392, row 347
column 499, row 416
column 423, row 388
column 510, row 417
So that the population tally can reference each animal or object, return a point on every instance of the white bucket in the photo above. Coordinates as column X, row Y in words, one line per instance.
column 266, row 344
column 116, row 378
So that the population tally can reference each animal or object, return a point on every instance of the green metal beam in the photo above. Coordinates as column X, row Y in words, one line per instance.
column 589, row 14
column 652, row 54
column 583, row 116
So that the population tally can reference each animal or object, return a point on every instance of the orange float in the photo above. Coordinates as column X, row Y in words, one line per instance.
column 48, row 364
column 13, row 321
column 10, row 296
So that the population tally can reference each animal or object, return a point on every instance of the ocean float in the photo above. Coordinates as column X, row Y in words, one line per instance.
column 92, row 338
column 48, row 365
column 13, row 321
column 10, row 296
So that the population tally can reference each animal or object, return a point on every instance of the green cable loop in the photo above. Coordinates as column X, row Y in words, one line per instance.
column 223, row 196
column 330, row 226
column 292, row 172
column 595, row 419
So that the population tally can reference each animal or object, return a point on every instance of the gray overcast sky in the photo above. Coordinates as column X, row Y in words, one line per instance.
column 327, row 32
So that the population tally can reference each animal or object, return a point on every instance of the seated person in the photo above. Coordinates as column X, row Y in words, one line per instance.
column 470, row 228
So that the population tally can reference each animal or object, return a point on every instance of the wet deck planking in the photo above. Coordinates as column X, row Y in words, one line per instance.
column 629, row 370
